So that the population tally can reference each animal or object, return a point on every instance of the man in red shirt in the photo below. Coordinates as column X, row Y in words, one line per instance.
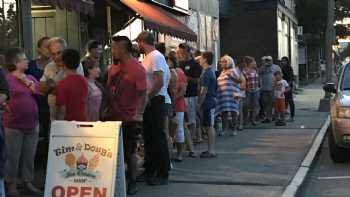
column 126, row 100
column 72, row 91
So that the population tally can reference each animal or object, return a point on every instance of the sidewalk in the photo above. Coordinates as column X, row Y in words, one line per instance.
column 260, row 161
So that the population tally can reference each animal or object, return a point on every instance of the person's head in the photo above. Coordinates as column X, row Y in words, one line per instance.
column 197, row 53
column 145, row 41
column 285, row 61
column 43, row 47
column 206, row 59
column 278, row 75
column 121, row 47
column 267, row 60
column 161, row 48
column 91, row 68
column 226, row 62
column 171, row 59
column 16, row 60
column 71, row 59
column 94, row 49
column 135, row 51
column 183, row 52
column 249, row 62
column 56, row 47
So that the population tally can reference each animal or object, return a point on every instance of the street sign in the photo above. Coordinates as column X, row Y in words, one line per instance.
column 85, row 159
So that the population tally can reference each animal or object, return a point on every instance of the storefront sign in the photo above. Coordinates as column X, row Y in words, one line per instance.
column 85, row 160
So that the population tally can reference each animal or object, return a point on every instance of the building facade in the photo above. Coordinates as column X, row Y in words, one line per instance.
column 258, row 28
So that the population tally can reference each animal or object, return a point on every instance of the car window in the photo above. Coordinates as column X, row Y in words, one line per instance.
column 345, row 84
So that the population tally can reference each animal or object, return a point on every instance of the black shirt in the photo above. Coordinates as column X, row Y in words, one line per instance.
column 192, row 70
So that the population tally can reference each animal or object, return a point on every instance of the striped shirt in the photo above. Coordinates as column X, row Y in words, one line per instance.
column 227, row 92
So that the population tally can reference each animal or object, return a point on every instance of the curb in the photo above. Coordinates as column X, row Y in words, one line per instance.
column 298, row 179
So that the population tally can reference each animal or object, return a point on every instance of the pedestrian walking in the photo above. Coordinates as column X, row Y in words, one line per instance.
column 21, row 124
column 280, row 88
column 155, row 138
column 288, row 75
column 206, row 101
column 228, row 93
column 72, row 90
column 193, row 72
column 126, row 95
column 92, row 72
column 4, row 96
column 266, row 74
column 252, row 93
column 36, row 69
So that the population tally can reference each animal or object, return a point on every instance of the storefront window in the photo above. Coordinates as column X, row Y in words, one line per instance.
column 9, row 32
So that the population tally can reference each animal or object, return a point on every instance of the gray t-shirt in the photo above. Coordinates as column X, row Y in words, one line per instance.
column 267, row 75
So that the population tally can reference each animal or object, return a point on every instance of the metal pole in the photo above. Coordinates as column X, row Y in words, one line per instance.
column 329, row 41
column 325, row 102
column 109, row 29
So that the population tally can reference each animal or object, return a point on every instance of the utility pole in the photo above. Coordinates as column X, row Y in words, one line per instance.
column 325, row 102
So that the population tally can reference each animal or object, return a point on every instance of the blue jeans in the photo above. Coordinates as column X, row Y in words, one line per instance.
column 2, row 187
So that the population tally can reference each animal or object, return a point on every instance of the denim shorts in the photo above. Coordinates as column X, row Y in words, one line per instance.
column 208, row 117
column 252, row 100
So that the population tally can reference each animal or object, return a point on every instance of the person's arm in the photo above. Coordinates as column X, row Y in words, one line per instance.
column 141, row 108
column 60, row 101
column 157, row 84
column 4, row 88
column 202, row 94
column 60, row 112
column 172, row 84
column 234, row 77
column 182, row 92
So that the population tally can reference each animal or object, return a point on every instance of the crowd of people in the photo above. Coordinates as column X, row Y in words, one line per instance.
column 175, row 99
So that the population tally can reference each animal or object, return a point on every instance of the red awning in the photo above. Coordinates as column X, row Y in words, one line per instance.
column 157, row 19
column 83, row 6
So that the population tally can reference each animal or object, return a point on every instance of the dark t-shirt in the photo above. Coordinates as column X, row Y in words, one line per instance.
column 72, row 92
column 192, row 70
column 35, row 71
column 208, row 80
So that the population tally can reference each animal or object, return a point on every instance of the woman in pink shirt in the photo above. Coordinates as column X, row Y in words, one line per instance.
column 21, row 124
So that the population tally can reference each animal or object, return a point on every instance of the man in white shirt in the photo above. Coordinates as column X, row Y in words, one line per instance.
column 155, row 138
column 54, row 71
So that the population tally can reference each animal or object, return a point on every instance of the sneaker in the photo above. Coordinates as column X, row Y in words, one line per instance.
column 280, row 123
column 266, row 121
column 233, row 133
column 291, row 119
column 132, row 188
column 192, row 154
column 30, row 189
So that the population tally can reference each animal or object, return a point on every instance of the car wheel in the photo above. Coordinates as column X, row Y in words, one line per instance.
column 337, row 153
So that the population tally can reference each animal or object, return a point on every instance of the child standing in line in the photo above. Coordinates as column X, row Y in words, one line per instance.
column 281, row 86
column 72, row 91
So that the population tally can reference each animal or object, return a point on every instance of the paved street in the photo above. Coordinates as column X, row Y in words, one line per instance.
column 260, row 161
column 327, row 178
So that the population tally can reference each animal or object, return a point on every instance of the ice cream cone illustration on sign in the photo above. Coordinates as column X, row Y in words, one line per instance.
column 70, row 161
column 82, row 163
column 93, row 163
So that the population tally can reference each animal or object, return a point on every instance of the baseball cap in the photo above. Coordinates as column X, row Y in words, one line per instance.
column 146, row 37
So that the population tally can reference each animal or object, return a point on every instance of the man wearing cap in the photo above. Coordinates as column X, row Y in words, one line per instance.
column 266, row 80
column 155, row 138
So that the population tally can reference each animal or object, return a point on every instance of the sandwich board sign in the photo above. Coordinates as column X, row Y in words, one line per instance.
column 85, row 160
